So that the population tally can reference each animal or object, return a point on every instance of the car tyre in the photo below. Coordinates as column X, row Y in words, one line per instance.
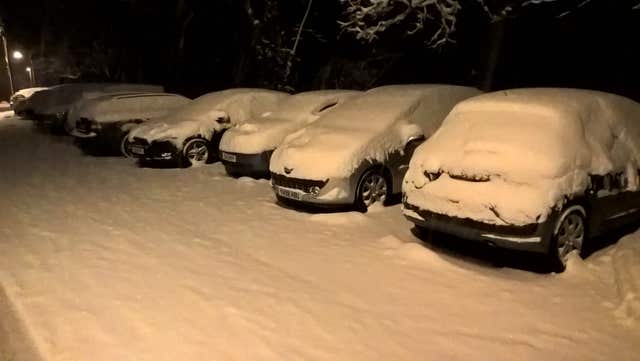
column 373, row 187
column 568, row 236
column 195, row 153
column 124, row 146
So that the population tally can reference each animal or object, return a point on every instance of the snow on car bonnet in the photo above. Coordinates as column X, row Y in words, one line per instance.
column 538, row 144
column 266, row 132
column 201, row 116
column 368, row 127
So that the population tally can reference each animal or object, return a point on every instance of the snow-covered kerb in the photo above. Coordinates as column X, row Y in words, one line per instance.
column 366, row 128
column 535, row 146
column 201, row 116
column 267, row 131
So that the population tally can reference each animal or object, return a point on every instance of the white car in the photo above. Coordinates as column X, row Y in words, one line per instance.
column 19, row 99
column 246, row 149
column 191, row 134
column 358, row 154
column 109, row 118
column 538, row 170
column 51, row 106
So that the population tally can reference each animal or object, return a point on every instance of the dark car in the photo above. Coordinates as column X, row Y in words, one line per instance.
column 540, row 170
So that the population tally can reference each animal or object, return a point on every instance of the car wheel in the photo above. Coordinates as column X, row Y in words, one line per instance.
column 373, row 188
column 568, row 236
column 196, row 152
column 124, row 146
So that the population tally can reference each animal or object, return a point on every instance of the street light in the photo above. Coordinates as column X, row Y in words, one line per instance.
column 18, row 55
column 30, row 72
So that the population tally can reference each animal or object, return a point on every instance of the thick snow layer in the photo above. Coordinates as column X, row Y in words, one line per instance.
column 370, row 127
column 266, row 132
column 101, row 260
column 59, row 98
column 201, row 117
column 127, row 106
column 540, row 144
column 26, row 92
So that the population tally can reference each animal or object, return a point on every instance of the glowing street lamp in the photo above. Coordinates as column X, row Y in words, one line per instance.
column 18, row 55
column 30, row 72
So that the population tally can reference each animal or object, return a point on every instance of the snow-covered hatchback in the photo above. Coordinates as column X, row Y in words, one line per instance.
column 190, row 135
column 246, row 149
column 529, row 169
column 358, row 154
column 109, row 118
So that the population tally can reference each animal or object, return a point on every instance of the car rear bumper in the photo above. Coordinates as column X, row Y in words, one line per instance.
column 532, row 237
column 250, row 165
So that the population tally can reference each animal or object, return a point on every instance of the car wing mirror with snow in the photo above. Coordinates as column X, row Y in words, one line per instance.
column 223, row 119
column 412, row 144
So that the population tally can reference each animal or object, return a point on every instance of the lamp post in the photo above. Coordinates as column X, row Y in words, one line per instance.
column 6, row 59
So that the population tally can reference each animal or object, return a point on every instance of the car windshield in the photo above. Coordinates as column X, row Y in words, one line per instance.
column 509, row 143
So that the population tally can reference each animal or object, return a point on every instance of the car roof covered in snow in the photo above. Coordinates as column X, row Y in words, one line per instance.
column 124, row 106
column 558, row 131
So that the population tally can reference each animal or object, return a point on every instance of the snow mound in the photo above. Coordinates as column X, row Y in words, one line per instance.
column 368, row 127
column 204, row 115
column 539, row 143
column 626, row 267
column 297, row 111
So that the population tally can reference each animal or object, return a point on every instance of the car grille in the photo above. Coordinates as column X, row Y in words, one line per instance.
column 140, row 141
column 83, row 125
column 304, row 185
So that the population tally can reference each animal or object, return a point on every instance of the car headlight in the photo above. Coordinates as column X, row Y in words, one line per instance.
column 315, row 190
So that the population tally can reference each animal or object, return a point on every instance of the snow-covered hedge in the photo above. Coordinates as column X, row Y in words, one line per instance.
column 366, row 128
column 535, row 146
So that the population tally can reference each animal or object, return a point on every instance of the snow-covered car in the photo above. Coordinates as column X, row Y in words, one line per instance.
column 191, row 134
column 537, row 170
column 358, row 154
column 245, row 150
column 52, row 105
column 110, row 117
column 19, row 102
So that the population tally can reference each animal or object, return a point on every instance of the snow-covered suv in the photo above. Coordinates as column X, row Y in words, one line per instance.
column 358, row 154
column 191, row 134
column 530, row 169
column 109, row 118
column 246, row 149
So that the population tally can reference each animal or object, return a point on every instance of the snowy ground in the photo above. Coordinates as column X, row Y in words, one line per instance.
column 101, row 260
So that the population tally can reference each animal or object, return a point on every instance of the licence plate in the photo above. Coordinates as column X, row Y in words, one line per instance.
column 287, row 193
column 229, row 157
column 137, row 150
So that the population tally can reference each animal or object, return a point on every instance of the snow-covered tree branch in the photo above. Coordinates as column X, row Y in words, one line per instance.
column 367, row 20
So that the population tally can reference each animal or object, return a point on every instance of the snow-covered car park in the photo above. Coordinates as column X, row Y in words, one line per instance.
column 103, row 260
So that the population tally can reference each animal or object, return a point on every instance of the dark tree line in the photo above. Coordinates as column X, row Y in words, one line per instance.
column 195, row 46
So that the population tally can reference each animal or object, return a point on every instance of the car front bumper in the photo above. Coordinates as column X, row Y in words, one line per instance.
column 532, row 237
column 250, row 165
column 159, row 150
column 322, row 193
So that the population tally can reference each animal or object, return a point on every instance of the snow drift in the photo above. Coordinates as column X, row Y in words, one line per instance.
column 267, row 131
column 366, row 128
column 538, row 144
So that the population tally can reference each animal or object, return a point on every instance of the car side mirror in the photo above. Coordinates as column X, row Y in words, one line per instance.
column 412, row 144
column 223, row 120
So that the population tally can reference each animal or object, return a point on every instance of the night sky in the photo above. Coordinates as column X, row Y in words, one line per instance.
column 594, row 46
